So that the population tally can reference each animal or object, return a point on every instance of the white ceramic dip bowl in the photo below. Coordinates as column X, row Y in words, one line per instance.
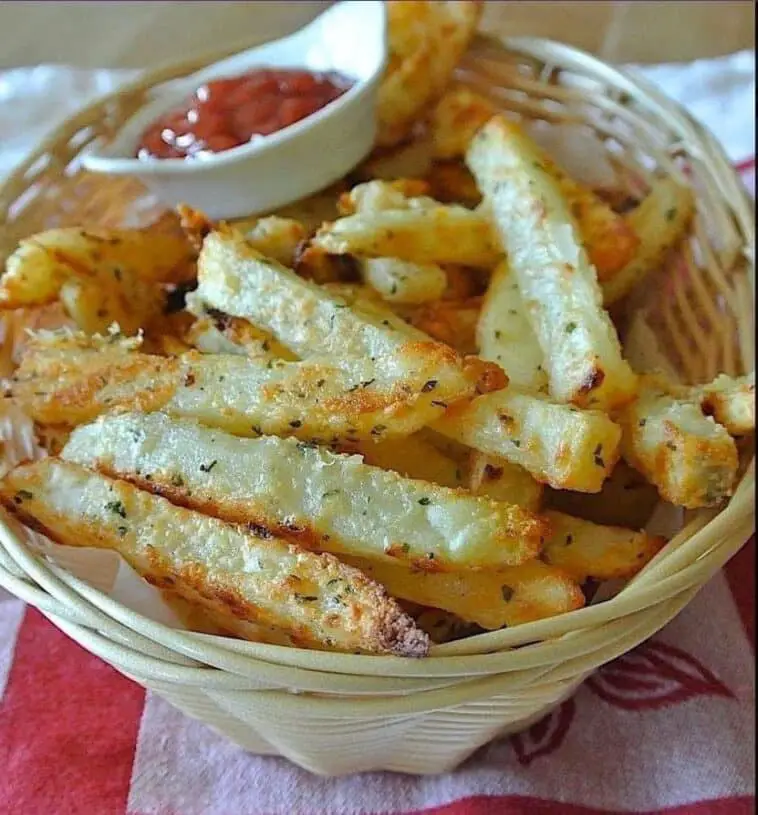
column 271, row 171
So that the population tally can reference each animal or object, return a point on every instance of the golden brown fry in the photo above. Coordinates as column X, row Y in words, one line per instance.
column 661, row 222
column 583, row 549
column 426, row 41
column 731, row 402
column 308, row 494
column 69, row 380
column 499, row 479
column 691, row 459
column 277, row 238
column 508, row 597
column 246, row 579
column 377, row 195
column 451, row 183
column 558, row 445
column 556, row 279
column 450, row 321
column 41, row 264
column 440, row 234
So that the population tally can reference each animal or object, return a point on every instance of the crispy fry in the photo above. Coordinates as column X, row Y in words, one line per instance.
column 583, row 549
column 41, row 264
column 450, row 321
column 426, row 40
column 277, row 238
column 508, row 597
column 558, row 445
column 499, row 479
column 440, row 234
column 610, row 240
column 505, row 335
column 399, row 281
column 314, row 597
column 312, row 322
column 71, row 380
column 731, row 402
column 378, row 195
column 661, row 222
column 691, row 459
column 557, row 281
column 307, row 494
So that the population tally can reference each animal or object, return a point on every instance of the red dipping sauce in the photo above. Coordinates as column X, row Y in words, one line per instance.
column 226, row 113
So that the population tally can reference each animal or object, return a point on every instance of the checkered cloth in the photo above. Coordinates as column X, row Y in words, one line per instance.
column 668, row 727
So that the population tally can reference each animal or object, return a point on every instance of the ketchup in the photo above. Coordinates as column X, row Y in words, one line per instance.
column 226, row 113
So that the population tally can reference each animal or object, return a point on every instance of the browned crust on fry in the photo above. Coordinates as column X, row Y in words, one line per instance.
column 368, row 612
column 489, row 376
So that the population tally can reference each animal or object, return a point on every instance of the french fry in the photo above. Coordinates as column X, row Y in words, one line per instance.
column 499, row 479
column 661, row 222
column 731, row 402
column 558, row 445
column 378, row 195
column 310, row 321
column 508, row 597
column 277, row 238
column 441, row 234
column 71, row 380
column 505, row 335
column 610, row 240
column 411, row 159
column 585, row 550
column 450, row 321
column 426, row 41
column 41, row 264
column 690, row 458
column 244, row 578
column 308, row 494
column 557, row 281
column 400, row 281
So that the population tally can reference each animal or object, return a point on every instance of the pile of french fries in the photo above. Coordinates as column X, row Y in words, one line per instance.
column 408, row 422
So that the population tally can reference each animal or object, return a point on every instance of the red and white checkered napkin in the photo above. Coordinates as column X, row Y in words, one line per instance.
column 668, row 727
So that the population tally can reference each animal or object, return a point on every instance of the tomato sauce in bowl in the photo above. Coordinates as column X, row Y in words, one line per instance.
column 229, row 112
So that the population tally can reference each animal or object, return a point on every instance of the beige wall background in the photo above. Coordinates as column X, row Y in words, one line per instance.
column 142, row 34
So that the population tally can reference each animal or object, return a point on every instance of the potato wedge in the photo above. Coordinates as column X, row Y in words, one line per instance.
column 456, row 118
column 661, row 222
column 690, row 458
column 310, row 495
column 585, row 550
column 426, row 41
column 505, row 335
column 499, row 479
column 557, row 281
column 277, row 238
column 261, row 580
column 731, row 402
column 70, row 382
column 558, row 445
column 399, row 281
column 36, row 271
column 441, row 234
column 508, row 597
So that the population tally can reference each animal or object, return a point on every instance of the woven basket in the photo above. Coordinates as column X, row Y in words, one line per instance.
column 341, row 713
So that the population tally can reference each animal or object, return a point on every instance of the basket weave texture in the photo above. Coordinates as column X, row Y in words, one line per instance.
column 340, row 713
